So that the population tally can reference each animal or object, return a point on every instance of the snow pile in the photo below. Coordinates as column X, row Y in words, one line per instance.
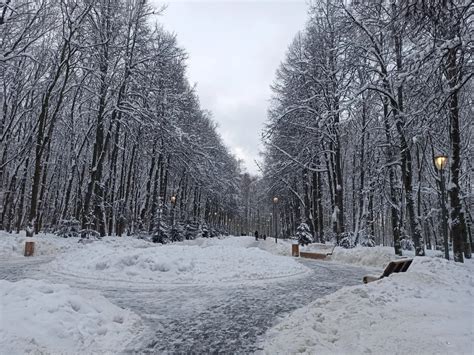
column 282, row 247
column 218, row 260
column 375, row 257
column 426, row 310
column 13, row 245
column 40, row 317
column 229, row 242
column 378, row 256
column 10, row 245
column 46, row 244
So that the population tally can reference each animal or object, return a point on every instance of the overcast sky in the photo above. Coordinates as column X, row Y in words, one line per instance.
column 234, row 49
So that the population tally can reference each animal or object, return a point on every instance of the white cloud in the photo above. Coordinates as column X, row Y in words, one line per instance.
column 234, row 50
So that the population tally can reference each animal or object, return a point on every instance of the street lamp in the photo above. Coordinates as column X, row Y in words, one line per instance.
column 173, row 203
column 440, row 162
column 275, row 222
column 215, row 220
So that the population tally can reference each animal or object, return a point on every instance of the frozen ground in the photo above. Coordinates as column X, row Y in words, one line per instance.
column 427, row 310
column 224, row 316
column 197, row 262
column 231, row 295
column 38, row 316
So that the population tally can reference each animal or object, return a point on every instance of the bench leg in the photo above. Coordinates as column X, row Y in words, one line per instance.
column 370, row 278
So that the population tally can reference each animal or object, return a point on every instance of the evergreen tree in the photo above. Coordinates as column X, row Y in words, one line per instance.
column 190, row 230
column 177, row 233
column 303, row 234
column 68, row 228
column 161, row 230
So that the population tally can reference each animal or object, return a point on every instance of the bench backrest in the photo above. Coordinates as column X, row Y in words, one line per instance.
column 401, row 265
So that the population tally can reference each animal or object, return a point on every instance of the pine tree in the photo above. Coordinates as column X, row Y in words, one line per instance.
column 177, row 233
column 303, row 234
column 161, row 230
column 204, row 231
column 68, row 228
column 190, row 231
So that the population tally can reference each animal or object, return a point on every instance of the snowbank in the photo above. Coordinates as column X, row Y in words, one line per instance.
column 13, row 245
column 41, row 317
column 427, row 310
column 193, row 262
column 230, row 242
column 282, row 247
column 46, row 244
column 377, row 257
column 200, row 261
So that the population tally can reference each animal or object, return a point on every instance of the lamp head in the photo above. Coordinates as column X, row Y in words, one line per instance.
column 440, row 161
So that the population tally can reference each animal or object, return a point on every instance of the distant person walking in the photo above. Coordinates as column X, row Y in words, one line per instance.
column 256, row 235
column 264, row 237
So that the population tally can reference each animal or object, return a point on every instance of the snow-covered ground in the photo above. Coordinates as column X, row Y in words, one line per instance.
column 39, row 317
column 282, row 247
column 377, row 257
column 198, row 262
column 427, row 310
column 202, row 261
column 13, row 245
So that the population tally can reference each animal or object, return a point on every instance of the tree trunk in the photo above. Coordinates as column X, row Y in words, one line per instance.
column 395, row 216
column 405, row 153
column 307, row 206
column 456, row 215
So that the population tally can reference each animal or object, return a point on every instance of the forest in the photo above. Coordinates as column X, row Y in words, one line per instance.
column 101, row 132
column 367, row 139
column 369, row 128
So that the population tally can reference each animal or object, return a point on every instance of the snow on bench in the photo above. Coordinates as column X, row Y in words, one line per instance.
column 401, row 265
column 314, row 251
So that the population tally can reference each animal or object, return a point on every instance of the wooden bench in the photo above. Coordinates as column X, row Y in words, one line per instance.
column 327, row 249
column 401, row 265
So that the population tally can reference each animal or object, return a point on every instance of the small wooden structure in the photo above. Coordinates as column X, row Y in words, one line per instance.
column 29, row 248
column 295, row 250
column 311, row 255
column 326, row 250
column 401, row 265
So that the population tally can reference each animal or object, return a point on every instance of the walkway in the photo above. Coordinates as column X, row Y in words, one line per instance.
column 229, row 318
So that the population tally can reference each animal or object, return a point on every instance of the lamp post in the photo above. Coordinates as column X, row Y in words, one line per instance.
column 173, row 204
column 275, row 222
column 270, row 225
column 440, row 162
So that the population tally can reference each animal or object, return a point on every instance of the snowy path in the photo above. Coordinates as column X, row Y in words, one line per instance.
column 231, row 319
column 222, row 318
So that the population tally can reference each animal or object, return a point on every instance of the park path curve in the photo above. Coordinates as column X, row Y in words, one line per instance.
column 222, row 318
